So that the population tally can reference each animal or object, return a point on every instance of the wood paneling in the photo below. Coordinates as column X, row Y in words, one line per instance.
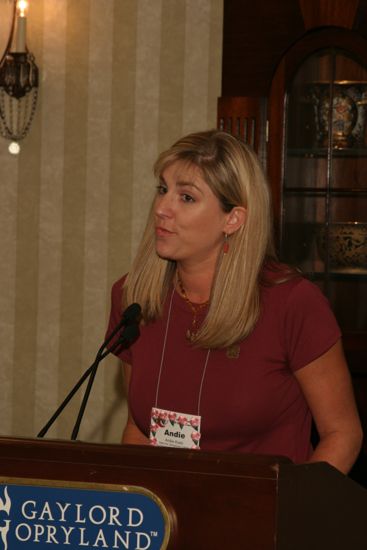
column 318, row 13
column 257, row 34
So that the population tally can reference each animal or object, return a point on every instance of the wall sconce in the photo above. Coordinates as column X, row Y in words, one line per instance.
column 18, row 81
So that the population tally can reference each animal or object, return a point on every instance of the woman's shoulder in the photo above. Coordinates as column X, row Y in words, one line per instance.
column 283, row 281
column 116, row 291
column 300, row 307
column 275, row 273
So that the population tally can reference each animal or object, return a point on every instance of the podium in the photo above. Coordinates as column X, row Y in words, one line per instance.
column 215, row 501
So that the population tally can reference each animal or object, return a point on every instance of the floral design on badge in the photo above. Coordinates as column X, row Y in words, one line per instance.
column 153, row 428
column 163, row 418
column 196, row 437
column 155, row 415
column 172, row 417
column 195, row 422
column 182, row 421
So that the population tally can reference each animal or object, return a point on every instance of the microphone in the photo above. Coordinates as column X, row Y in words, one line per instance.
column 127, row 337
column 132, row 314
column 130, row 319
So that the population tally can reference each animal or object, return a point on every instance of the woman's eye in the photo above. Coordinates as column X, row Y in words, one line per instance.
column 161, row 189
column 187, row 198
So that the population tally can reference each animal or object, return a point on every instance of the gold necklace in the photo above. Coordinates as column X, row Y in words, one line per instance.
column 195, row 308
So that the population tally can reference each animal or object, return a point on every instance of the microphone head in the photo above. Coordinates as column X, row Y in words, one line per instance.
column 132, row 313
column 129, row 335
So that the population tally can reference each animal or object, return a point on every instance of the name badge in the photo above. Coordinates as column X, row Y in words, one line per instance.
column 174, row 429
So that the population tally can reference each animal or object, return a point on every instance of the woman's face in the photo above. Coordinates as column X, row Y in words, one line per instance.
column 189, row 220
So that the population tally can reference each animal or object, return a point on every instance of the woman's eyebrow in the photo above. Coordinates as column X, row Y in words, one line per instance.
column 183, row 183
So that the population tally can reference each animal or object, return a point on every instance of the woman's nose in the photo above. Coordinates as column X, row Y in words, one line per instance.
column 164, row 206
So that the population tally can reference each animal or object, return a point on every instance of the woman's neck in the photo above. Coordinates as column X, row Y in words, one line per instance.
column 197, row 282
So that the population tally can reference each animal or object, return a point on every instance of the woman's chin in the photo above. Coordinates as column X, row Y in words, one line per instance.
column 164, row 254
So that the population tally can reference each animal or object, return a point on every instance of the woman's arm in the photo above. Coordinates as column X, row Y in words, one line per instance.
column 327, row 387
column 131, row 433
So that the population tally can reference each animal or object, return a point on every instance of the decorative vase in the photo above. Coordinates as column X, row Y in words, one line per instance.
column 344, row 243
column 348, row 118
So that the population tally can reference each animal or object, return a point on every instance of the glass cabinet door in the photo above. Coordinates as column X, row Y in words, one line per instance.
column 324, row 190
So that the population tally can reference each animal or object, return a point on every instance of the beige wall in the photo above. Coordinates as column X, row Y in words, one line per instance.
column 120, row 80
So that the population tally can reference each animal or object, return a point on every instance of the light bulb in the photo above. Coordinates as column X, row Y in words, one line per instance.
column 22, row 8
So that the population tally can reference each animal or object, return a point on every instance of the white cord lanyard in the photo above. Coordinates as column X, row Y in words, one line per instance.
column 163, row 356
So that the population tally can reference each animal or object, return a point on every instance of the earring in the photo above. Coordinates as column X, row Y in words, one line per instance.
column 225, row 244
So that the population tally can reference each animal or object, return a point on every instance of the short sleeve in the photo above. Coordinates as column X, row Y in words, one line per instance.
column 310, row 325
column 115, row 316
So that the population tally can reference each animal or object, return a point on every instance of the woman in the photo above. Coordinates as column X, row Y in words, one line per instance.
column 234, row 346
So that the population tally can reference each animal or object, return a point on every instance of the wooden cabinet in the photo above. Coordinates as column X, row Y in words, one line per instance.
column 316, row 160
column 318, row 172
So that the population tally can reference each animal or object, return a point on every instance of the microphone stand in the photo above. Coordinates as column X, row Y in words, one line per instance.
column 130, row 333
column 57, row 413
column 100, row 355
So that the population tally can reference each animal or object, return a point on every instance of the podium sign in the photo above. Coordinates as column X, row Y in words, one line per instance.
column 43, row 515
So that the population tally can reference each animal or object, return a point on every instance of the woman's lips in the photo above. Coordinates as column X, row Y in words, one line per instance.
column 162, row 232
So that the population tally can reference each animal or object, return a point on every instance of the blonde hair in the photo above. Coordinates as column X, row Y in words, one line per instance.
column 233, row 173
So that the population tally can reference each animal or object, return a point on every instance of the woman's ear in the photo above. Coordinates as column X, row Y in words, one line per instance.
column 236, row 219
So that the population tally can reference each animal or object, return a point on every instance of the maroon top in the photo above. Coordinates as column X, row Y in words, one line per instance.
column 249, row 404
